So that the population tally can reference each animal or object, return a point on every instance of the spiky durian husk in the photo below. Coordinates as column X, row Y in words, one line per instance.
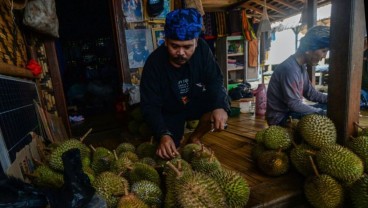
column 141, row 171
column 199, row 190
column 259, row 136
column 188, row 151
column 273, row 163
column 234, row 186
column 130, row 155
column 323, row 191
column 359, row 146
column 124, row 147
column 170, row 175
column 317, row 130
column 170, row 199
column 120, row 166
column 110, row 187
column 359, row 192
column 205, row 164
column 56, row 161
column 340, row 163
column 276, row 137
column 148, row 160
column 47, row 177
column 299, row 157
column 146, row 149
column 149, row 192
column 257, row 150
column 101, row 160
column 131, row 201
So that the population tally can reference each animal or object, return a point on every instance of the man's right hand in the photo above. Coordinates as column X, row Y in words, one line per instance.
column 167, row 148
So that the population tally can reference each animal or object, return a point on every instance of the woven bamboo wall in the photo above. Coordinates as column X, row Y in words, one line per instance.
column 12, row 44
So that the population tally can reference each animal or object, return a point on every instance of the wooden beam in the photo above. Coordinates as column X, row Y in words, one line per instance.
column 346, row 61
column 11, row 70
column 261, row 3
column 288, row 4
column 57, row 83
column 311, row 21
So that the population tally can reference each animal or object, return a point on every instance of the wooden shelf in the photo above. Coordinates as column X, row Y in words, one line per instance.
column 235, row 54
column 236, row 69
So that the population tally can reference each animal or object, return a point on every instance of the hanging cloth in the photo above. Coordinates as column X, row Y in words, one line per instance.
column 264, row 24
column 247, row 29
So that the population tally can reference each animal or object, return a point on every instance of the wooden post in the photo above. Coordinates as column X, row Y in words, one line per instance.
column 311, row 21
column 345, row 72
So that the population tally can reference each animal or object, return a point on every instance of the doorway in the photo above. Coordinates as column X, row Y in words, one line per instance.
column 87, row 60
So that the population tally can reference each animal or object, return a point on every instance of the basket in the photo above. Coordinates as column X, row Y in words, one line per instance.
column 12, row 45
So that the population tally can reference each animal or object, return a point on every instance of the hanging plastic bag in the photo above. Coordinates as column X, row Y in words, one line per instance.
column 40, row 15
column 264, row 24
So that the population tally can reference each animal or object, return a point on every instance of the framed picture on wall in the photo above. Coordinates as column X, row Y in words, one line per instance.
column 168, row 7
column 158, row 36
column 139, row 46
column 133, row 10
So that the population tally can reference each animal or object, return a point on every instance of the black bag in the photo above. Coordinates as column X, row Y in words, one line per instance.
column 241, row 91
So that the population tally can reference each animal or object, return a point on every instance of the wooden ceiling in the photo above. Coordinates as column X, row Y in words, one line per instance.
column 277, row 9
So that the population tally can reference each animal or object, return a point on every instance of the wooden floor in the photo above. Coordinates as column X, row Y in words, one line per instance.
column 233, row 148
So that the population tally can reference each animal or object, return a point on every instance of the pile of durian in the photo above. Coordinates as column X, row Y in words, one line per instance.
column 132, row 176
column 335, row 175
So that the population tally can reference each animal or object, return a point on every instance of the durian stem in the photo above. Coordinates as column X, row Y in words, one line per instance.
column 314, row 166
column 85, row 135
column 115, row 155
column 293, row 142
column 359, row 125
column 178, row 173
column 93, row 149
column 126, row 192
column 310, row 152
column 179, row 165
column 37, row 161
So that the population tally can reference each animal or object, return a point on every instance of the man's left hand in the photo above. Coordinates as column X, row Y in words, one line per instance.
column 218, row 119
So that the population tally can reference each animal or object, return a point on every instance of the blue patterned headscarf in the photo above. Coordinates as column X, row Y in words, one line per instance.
column 316, row 38
column 183, row 24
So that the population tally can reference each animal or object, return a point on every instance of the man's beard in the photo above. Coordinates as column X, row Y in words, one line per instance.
column 179, row 60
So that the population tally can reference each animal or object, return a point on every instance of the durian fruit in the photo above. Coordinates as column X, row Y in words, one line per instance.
column 199, row 190
column 130, row 155
column 276, row 137
column 234, row 186
column 317, row 130
column 56, row 162
column 259, row 136
column 273, row 163
column 205, row 164
column 170, row 199
column 125, row 147
column 146, row 149
column 176, row 168
column 149, row 192
column 148, row 160
column 299, row 157
column 101, row 159
column 359, row 146
column 340, row 163
column 120, row 165
column 110, row 187
column 188, row 151
column 257, row 150
column 130, row 200
column 44, row 176
column 323, row 191
column 141, row 171
column 136, row 114
column 359, row 192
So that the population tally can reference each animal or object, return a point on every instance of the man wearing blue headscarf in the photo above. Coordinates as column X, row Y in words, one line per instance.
column 182, row 81
column 290, row 82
